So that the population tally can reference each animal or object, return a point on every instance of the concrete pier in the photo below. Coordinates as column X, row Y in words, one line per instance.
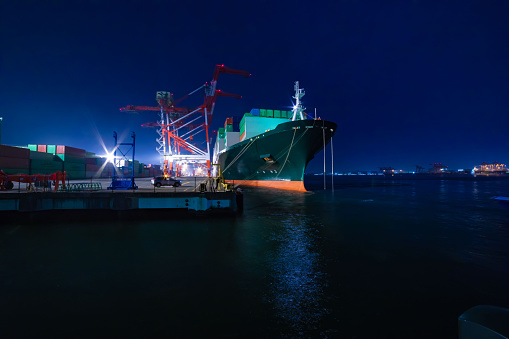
column 145, row 203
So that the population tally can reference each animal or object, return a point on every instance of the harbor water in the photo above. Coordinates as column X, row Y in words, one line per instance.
column 376, row 258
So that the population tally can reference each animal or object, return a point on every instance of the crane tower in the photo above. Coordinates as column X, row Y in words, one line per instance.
column 177, row 126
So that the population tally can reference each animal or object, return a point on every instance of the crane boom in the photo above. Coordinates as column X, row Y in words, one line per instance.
column 172, row 119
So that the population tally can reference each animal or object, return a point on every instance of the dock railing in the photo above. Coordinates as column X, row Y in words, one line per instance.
column 80, row 187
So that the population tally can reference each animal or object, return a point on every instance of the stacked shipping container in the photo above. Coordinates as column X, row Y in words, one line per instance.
column 78, row 164
column 253, row 123
column 14, row 160
column 74, row 161
column 93, row 165
column 45, row 163
column 256, row 121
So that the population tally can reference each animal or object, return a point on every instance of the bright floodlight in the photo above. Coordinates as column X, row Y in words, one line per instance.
column 110, row 158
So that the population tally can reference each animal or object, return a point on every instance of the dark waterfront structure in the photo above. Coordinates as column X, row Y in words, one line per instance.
column 20, row 206
column 89, row 201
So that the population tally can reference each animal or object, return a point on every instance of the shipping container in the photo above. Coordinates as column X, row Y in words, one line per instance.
column 255, row 112
column 107, row 171
column 43, row 156
column 257, row 125
column 229, row 128
column 41, row 148
column 71, row 166
column 67, row 150
column 14, row 152
column 71, row 158
column 46, row 163
column 32, row 147
column 92, row 167
column 242, row 121
column 220, row 144
column 51, row 149
column 221, row 133
column 75, row 175
column 232, row 138
column 8, row 162
column 228, row 121
column 43, row 167
column 284, row 114
column 277, row 113
column 92, row 174
column 95, row 161
column 270, row 113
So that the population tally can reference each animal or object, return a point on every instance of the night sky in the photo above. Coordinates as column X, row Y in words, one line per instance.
column 408, row 82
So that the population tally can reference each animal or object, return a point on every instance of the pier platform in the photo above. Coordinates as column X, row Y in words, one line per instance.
column 146, row 202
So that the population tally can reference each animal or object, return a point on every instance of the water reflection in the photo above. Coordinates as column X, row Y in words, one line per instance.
column 298, row 279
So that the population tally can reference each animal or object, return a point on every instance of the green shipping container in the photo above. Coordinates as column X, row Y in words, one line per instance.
column 51, row 149
column 46, row 163
column 71, row 158
column 16, row 171
column 243, row 120
column 263, row 112
column 71, row 166
column 277, row 113
column 32, row 148
column 72, row 175
column 221, row 133
column 229, row 128
column 270, row 113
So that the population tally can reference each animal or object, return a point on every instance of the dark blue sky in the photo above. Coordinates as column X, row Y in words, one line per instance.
column 407, row 82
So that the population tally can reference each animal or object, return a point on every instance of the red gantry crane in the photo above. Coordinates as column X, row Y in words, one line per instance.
column 173, row 146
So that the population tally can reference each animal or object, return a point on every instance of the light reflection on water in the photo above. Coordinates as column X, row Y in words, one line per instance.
column 298, row 278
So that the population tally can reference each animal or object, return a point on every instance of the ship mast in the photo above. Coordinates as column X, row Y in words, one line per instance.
column 298, row 109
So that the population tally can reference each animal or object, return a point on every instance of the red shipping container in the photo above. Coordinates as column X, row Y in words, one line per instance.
column 61, row 149
column 14, row 152
column 91, row 161
column 92, row 167
column 41, row 148
column 8, row 162
column 229, row 121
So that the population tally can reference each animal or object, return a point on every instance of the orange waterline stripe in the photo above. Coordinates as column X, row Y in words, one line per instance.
column 285, row 185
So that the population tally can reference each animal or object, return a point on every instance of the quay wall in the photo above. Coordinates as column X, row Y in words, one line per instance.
column 143, row 204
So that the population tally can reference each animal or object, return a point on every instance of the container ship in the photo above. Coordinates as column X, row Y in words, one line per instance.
column 271, row 148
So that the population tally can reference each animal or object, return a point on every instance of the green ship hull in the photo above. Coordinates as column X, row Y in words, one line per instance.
column 277, row 158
